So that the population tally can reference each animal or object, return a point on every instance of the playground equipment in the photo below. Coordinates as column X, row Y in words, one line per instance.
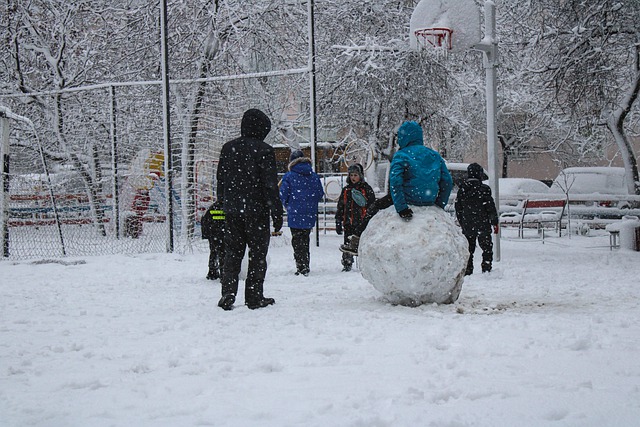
column 142, row 180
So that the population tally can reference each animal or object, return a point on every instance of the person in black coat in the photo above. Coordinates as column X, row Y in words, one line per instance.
column 212, row 226
column 248, row 189
column 356, row 198
column 477, row 215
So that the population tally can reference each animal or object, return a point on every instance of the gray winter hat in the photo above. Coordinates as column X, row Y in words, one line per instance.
column 356, row 168
column 295, row 154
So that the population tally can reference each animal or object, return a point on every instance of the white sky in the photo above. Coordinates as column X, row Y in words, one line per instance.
column 550, row 337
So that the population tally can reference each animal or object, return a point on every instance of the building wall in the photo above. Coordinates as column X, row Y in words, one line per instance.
column 324, row 154
column 544, row 166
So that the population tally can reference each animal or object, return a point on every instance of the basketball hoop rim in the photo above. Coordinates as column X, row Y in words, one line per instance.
column 442, row 36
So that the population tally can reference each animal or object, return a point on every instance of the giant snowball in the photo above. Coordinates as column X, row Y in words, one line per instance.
column 414, row 262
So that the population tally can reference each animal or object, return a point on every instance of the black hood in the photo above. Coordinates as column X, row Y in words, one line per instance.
column 255, row 124
column 475, row 171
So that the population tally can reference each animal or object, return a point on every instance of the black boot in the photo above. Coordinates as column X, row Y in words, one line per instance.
column 469, row 270
column 486, row 266
column 261, row 303
column 351, row 247
column 226, row 302
column 303, row 270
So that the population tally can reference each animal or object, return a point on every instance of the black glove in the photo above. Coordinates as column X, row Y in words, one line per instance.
column 277, row 223
column 406, row 214
column 339, row 227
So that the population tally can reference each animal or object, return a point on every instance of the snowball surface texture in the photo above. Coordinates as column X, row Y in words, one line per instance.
column 414, row 262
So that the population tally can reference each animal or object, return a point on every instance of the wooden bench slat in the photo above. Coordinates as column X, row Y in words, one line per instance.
column 544, row 203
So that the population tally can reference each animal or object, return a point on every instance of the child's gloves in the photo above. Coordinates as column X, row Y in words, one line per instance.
column 406, row 214
column 339, row 227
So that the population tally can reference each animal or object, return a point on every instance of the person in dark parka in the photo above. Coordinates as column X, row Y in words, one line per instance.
column 248, row 190
column 300, row 193
column 477, row 215
column 356, row 198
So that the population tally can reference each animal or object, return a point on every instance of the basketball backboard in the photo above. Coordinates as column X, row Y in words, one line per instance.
column 449, row 24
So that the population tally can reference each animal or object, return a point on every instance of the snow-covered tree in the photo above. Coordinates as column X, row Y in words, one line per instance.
column 370, row 82
column 584, row 58
column 54, row 46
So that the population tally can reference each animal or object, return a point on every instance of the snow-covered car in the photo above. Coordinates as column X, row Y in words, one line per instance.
column 458, row 173
column 592, row 181
column 513, row 190
column 549, row 216
column 510, row 218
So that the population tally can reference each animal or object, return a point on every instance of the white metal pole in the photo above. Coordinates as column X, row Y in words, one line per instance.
column 312, row 93
column 489, row 46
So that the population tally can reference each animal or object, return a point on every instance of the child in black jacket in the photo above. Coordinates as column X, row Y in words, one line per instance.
column 477, row 216
column 354, row 202
column 212, row 225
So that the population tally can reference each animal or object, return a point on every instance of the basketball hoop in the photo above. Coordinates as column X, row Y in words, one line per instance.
column 436, row 37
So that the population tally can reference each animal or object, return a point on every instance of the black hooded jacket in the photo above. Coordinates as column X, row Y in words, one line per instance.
column 247, row 175
column 475, row 208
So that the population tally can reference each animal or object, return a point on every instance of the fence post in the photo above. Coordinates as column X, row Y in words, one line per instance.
column 4, row 179
column 166, row 122
column 114, row 163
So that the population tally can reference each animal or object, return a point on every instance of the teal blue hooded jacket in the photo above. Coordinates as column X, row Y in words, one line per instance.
column 418, row 174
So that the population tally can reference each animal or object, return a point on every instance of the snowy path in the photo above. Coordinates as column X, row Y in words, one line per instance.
column 551, row 337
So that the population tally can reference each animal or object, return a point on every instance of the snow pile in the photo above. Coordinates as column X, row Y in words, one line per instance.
column 627, row 228
column 415, row 262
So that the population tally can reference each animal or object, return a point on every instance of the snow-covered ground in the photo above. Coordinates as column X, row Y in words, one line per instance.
column 550, row 337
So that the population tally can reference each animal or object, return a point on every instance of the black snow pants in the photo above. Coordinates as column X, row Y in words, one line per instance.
column 300, row 243
column 486, row 244
column 216, row 256
column 242, row 231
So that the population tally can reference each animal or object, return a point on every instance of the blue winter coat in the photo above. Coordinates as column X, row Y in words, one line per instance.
column 300, row 193
column 418, row 174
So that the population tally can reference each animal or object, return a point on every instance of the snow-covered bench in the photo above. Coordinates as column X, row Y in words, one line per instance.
column 532, row 214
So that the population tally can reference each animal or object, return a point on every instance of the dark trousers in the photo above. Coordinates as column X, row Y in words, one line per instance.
column 216, row 255
column 347, row 259
column 486, row 244
column 300, row 243
column 242, row 231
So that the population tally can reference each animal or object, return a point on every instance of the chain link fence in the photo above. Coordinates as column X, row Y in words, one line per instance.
column 84, row 169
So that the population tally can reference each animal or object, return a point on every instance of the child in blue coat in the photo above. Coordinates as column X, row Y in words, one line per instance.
column 300, row 193
column 418, row 175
